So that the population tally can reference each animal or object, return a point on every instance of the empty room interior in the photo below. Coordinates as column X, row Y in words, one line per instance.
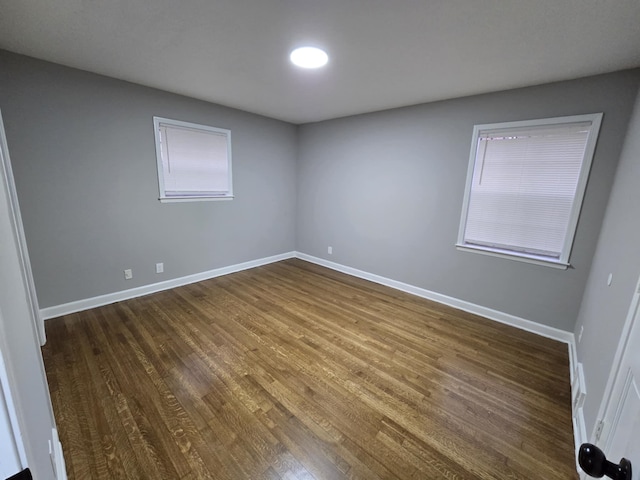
column 417, row 258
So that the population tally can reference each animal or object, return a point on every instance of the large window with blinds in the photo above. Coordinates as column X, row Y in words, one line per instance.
column 525, row 185
column 194, row 161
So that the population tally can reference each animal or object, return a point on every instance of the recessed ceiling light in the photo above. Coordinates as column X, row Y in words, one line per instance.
column 309, row 57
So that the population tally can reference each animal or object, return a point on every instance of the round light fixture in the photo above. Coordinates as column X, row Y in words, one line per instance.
column 309, row 57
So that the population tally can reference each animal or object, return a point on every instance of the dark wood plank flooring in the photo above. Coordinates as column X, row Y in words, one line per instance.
column 293, row 371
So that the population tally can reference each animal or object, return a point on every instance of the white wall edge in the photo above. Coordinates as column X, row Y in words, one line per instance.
column 80, row 305
column 521, row 323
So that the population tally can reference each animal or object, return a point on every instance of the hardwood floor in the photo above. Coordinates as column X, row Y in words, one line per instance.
column 293, row 371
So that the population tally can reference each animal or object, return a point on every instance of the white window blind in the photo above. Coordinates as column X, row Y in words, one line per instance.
column 194, row 161
column 526, row 186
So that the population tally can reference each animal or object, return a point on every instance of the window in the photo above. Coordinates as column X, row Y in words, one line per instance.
column 194, row 161
column 525, row 185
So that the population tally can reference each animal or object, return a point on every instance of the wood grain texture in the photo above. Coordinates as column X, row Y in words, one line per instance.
column 294, row 371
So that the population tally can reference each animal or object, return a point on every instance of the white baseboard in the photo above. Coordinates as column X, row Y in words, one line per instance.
column 523, row 324
column 575, row 369
column 577, row 379
column 80, row 305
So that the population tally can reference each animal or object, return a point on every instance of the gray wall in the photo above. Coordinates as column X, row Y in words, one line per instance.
column 82, row 149
column 604, row 309
column 385, row 191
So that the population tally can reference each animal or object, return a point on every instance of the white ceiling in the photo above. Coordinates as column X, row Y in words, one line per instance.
column 383, row 53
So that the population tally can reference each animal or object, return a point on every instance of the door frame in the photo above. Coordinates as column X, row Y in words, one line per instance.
column 24, row 380
column 11, row 450
column 25, row 262
column 615, row 381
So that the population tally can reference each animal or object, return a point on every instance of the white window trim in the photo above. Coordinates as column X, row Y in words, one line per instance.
column 196, row 198
column 563, row 261
column 189, row 198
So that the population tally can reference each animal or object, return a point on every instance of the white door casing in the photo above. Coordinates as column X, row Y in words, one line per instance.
column 25, row 384
column 623, row 436
column 620, row 436
column 21, row 243
column 12, row 457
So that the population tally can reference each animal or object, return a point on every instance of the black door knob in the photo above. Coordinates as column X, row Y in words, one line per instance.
column 595, row 464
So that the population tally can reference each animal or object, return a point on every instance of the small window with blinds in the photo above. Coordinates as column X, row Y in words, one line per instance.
column 525, row 185
column 194, row 161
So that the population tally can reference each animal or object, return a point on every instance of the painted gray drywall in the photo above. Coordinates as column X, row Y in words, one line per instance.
column 83, row 152
column 385, row 191
column 604, row 308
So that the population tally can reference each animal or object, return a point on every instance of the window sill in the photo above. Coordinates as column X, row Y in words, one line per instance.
column 194, row 199
column 513, row 256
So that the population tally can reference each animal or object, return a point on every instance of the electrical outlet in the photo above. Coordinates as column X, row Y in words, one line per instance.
column 159, row 267
column 128, row 274
column 330, row 250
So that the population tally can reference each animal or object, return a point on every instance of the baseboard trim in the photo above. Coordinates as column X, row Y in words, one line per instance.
column 578, row 388
column 577, row 379
column 80, row 305
column 521, row 323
